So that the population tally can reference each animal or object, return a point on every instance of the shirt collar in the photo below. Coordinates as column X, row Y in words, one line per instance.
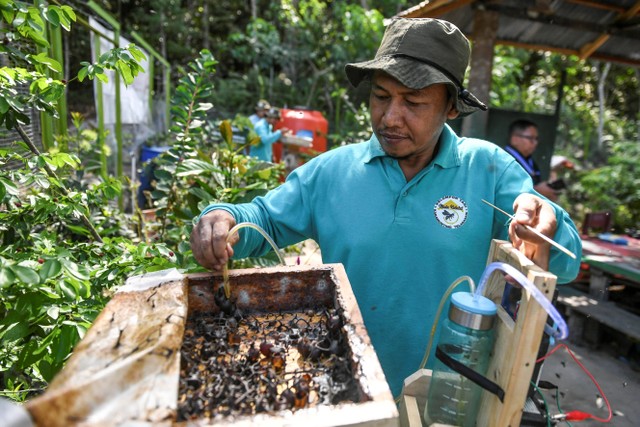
column 447, row 156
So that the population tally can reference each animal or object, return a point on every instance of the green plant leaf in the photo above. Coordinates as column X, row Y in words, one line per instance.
column 7, row 277
column 226, row 131
column 4, row 105
column 15, row 331
column 69, row 13
column 125, row 72
column 53, row 312
column 50, row 63
column 47, row 369
column 68, row 290
column 76, row 270
column 44, row 344
column 65, row 343
column 25, row 274
column 11, row 188
column 194, row 167
column 8, row 15
column 50, row 269
column 52, row 16
column 82, row 73
column 137, row 54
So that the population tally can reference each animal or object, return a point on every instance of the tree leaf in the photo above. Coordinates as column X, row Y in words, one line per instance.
column 53, row 312
column 50, row 63
column 15, row 331
column 7, row 277
column 25, row 274
column 82, row 73
column 50, row 269
column 68, row 290
column 3, row 191
column 75, row 270
column 52, row 16
column 65, row 343
column 226, row 132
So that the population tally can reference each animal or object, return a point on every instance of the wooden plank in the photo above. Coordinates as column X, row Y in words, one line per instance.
column 604, row 312
column 414, row 400
column 517, row 342
column 409, row 412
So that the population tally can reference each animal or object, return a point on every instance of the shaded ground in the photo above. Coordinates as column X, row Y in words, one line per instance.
column 618, row 381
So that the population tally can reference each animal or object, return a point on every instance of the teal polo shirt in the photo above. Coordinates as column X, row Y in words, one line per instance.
column 402, row 243
column 264, row 149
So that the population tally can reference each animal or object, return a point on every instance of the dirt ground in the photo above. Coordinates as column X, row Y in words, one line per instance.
column 620, row 384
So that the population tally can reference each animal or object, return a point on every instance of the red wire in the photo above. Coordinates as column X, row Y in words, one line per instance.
column 579, row 415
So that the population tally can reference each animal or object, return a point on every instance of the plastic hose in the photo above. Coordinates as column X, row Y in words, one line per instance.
column 234, row 229
column 561, row 331
column 443, row 300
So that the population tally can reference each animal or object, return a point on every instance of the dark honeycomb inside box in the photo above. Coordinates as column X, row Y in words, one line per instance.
column 289, row 348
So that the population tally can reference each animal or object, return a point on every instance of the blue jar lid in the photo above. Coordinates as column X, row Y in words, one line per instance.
column 476, row 304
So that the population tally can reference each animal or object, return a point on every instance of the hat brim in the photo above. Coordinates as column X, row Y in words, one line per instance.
column 411, row 73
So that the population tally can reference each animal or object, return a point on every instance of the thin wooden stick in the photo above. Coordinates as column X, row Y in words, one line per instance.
column 536, row 232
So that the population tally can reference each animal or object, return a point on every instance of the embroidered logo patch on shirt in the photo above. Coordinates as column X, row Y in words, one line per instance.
column 451, row 211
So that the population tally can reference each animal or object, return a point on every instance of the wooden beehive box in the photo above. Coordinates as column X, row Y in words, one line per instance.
column 514, row 354
column 126, row 370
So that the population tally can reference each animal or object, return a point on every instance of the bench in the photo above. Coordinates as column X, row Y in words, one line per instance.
column 585, row 314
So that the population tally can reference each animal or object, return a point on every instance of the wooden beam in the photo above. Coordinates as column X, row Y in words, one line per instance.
column 556, row 21
column 433, row 8
column 588, row 49
column 598, row 5
column 633, row 11
column 600, row 57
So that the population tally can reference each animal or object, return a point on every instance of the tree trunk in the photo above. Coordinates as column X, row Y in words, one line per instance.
column 206, row 42
column 602, row 78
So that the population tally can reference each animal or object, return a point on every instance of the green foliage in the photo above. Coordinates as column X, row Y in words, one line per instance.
column 295, row 56
column 27, row 24
column 594, row 190
column 54, row 278
column 57, row 266
column 204, row 163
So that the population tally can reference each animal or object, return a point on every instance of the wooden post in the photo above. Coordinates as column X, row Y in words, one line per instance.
column 485, row 29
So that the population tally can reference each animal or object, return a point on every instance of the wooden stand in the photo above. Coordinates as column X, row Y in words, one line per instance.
column 514, row 354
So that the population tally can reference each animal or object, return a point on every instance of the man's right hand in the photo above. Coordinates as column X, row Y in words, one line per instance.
column 209, row 239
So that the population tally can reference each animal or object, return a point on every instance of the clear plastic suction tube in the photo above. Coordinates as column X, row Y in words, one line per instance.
column 563, row 330
column 234, row 229
column 262, row 232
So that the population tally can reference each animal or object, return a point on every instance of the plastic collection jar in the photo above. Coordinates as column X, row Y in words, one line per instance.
column 467, row 336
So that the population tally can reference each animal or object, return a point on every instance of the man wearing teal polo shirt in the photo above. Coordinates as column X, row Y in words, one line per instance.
column 402, row 211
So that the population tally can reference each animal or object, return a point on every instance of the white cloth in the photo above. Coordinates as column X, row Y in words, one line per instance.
column 134, row 99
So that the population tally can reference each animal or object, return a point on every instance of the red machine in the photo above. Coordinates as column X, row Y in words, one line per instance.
column 309, row 129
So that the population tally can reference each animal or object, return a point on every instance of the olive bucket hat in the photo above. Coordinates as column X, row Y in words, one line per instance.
column 419, row 52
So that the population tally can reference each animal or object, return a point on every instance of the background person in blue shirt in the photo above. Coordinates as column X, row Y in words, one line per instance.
column 403, row 211
column 523, row 141
column 262, row 106
column 263, row 150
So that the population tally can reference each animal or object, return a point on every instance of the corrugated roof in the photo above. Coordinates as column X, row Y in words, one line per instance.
column 604, row 30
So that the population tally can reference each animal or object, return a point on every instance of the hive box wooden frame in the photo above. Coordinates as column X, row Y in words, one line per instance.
column 514, row 353
column 125, row 371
